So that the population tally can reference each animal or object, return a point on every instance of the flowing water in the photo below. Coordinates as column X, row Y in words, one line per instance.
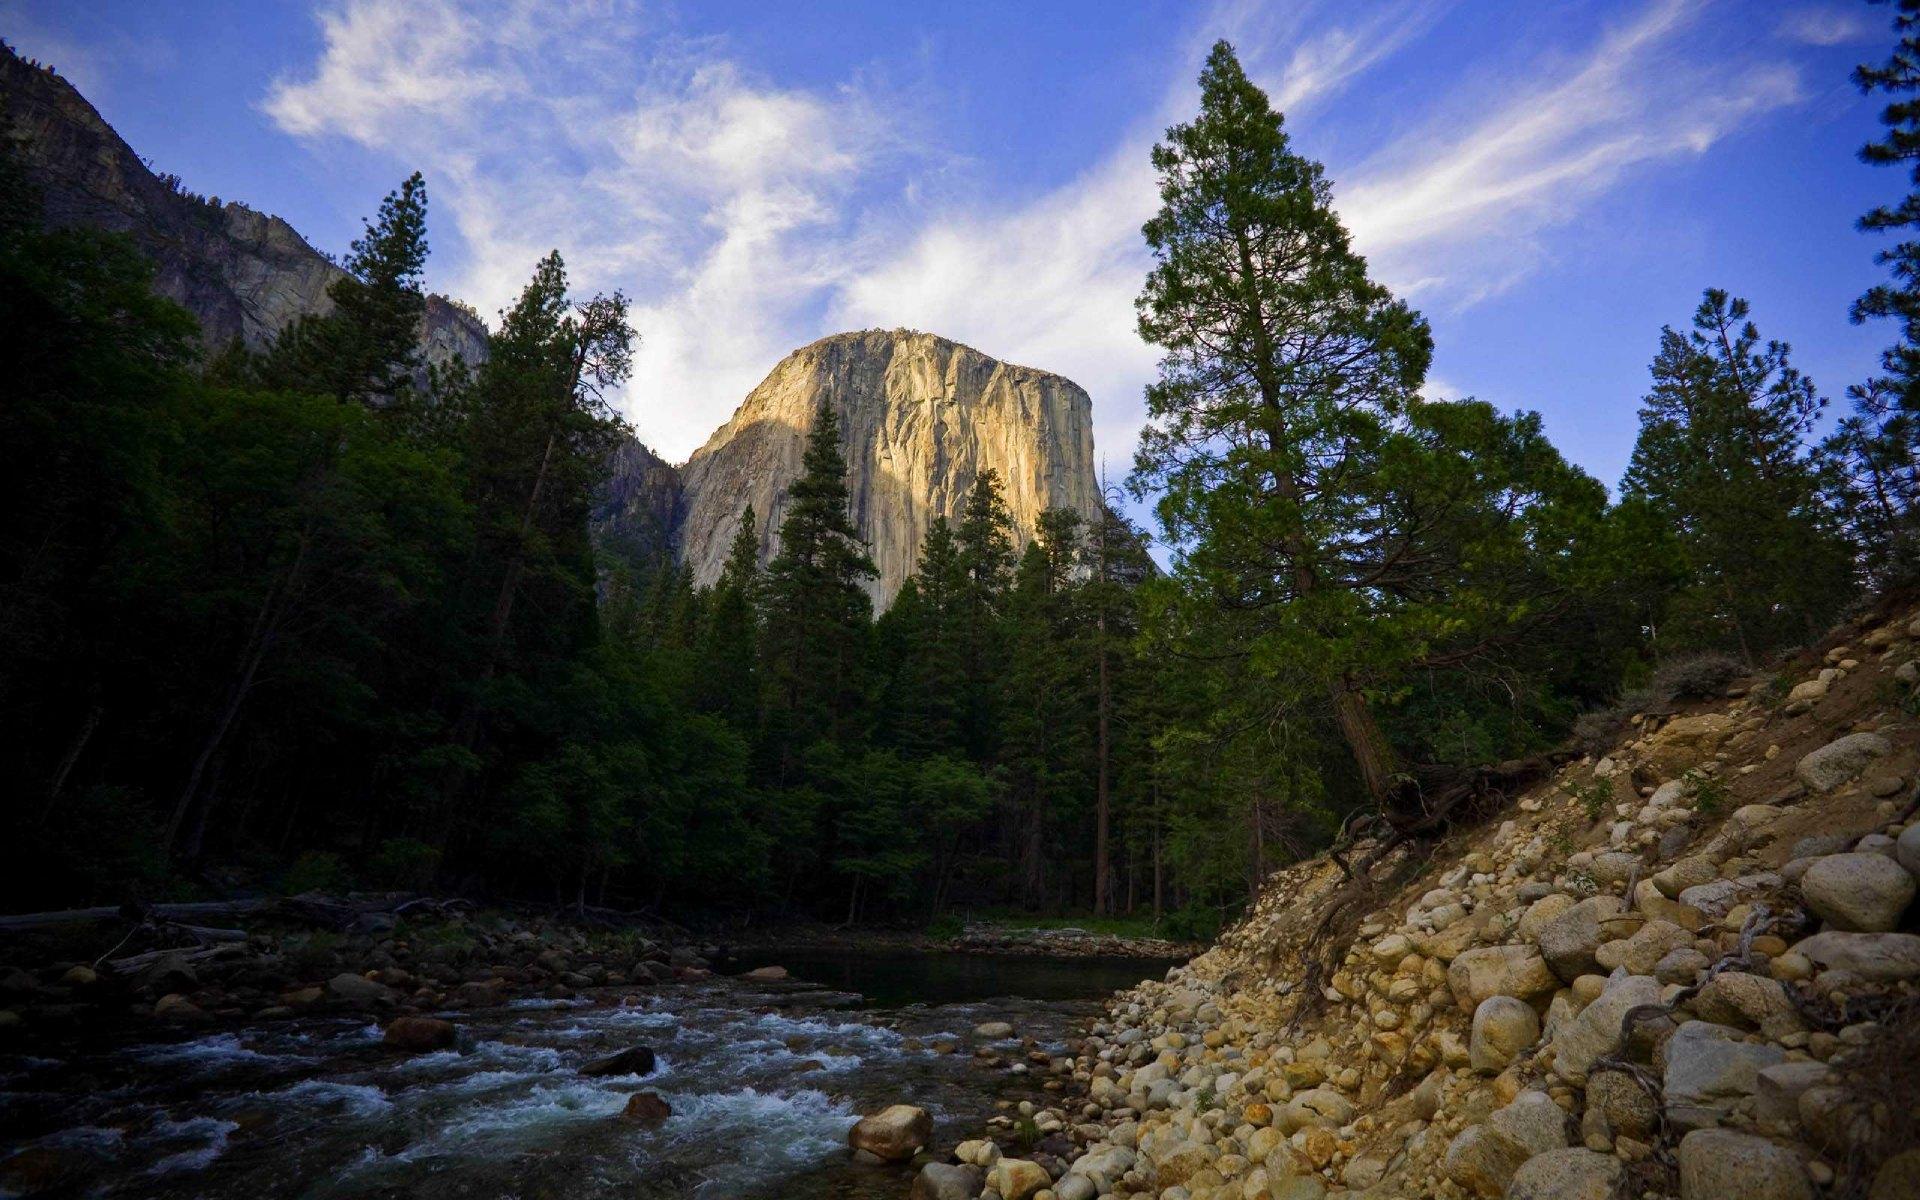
column 764, row 1081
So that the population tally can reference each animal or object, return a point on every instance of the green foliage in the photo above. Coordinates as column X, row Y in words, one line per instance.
column 1709, row 792
column 1594, row 797
column 316, row 871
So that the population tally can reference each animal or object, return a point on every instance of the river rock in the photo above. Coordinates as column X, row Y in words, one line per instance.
column 1684, row 741
column 947, row 1181
column 1018, row 1178
column 1532, row 1120
column 1596, row 1031
column 1503, row 1027
column 1691, row 871
column 1906, row 851
column 1566, row 1175
column 1717, row 1164
column 1622, row 1103
column 1482, row 1160
column 1749, row 1002
column 360, row 991
column 635, row 1060
column 1568, row 942
column 1858, row 892
column 1873, row 957
column 1840, row 760
column 175, row 1007
column 766, row 974
column 420, row 1033
column 993, row 1031
column 646, row 1107
column 1485, row 971
column 1898, row 1178
column 1640, row 953
column 894, row 1134
column 1709, row 1071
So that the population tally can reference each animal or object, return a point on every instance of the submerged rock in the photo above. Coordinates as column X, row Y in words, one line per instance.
column 635, row 1060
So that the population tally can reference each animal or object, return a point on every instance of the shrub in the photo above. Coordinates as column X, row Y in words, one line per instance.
column 1697, row 676
column 1194, row 923
column 946, row 927
column 316, row 871
column 406, row 863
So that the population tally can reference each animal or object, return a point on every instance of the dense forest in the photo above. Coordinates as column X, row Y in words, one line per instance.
column 319, row 615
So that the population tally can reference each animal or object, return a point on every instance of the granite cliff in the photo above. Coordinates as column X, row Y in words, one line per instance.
column 922, row 416
column 243, row 273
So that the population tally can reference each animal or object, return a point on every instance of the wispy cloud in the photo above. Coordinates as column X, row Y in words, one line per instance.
column 710, row 195
column 1452, row 212
column 1827, row 25
column 747, row 217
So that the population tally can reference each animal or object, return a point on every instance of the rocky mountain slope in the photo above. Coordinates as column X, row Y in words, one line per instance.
column 242, row 273
column 1685, row 967
column 921, row 417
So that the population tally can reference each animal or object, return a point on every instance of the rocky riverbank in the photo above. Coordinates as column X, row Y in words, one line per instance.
column 1686, row 967
column 979, row 937
column 60, row 983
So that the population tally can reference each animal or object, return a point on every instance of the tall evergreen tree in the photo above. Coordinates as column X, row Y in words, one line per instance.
column 727, row 681
column 1284, row 366
column 983, row 548
column 368, row 348
column 1719, row 456
column 1874, row 454
column 817, row 608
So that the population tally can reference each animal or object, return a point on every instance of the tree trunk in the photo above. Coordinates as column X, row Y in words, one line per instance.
column 266, row 627
column 72, row 757
column 1371, row 753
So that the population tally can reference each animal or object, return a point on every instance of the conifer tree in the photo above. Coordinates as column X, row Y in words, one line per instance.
column 983, row 549
column 368, row 348
column 1284, row 367
column 1874, row 455
column 727, row 681
column 817, row 607
column 1719, row 456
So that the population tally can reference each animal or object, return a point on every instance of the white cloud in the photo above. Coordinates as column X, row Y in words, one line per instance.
column 1826, row 26
column 1452, row 212
column 710, row 196
column 747, row 218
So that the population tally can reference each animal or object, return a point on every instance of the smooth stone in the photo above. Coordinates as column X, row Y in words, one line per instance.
column 1840, row 760
column 1575, row 1174
column 1503, row 1028
column 1721, row 1164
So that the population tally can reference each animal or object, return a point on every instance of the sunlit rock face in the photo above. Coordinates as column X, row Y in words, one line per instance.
column 921, row 417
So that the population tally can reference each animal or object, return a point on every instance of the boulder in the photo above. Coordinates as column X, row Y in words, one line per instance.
column 1873, row 957
column 1858, row 892
column 947, row 1181
column 1622, row 1103
column 1532, row 1120
column 1709, row 1070
column 894, row 1134
column 1566, row 1175
column 1780, row 1086
column 175, row 1007
column 360, row 991
column 1018, row 1178
column 647, row 1108
column 1906, row 851
column 993, row 1031
column 1719, row 1163
column 1682, row 742
column 1640, row 953
column 635, row 1060
column 1596, row 1031
column 1483, row 1160
column 1898, row 1178
column 1503, row 1028
column 1691, row 871
column 420, row 1033
column 1749, row 1002
column 1541, row 913
column 1568, row 942
column 1840, row 760
column 766, row 974
column 1517, row 971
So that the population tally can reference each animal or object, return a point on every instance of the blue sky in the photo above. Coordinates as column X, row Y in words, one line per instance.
column 1549, row 182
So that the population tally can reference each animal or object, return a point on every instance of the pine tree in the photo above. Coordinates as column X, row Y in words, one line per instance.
column 1719, row 456
column 1284, row 366
column 1874, row 455
column 923, row 632
column 817, row 608
column 983, row 549
column 368, row 348
column 727, row 682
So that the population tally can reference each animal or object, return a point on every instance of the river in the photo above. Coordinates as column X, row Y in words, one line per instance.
column 764, row 1080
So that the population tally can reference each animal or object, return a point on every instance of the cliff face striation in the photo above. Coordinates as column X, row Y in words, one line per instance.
column 921, row 416
column 243, row 273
